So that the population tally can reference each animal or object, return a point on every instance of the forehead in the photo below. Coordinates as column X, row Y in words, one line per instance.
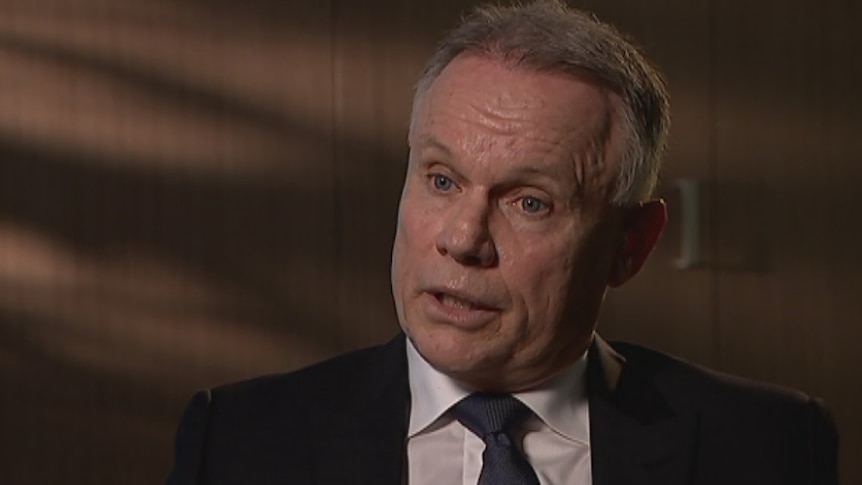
column 476, row 95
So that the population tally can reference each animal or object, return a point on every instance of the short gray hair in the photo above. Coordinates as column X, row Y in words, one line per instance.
column 546, row 35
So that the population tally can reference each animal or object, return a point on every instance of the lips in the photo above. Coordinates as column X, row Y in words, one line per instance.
column 462, row 310
column 460, row 302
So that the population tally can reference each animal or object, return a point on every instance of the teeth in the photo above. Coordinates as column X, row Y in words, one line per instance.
column 456, row 302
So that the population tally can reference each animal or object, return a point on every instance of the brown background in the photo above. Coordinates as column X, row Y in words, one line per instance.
column 197, row 191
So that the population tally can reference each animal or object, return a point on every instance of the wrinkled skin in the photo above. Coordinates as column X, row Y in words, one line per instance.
column 506, row 238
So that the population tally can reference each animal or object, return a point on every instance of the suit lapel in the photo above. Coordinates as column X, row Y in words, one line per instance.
column 366, row 442
column 635, row 435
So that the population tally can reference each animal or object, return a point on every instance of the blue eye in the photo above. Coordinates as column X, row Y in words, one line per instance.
column 442, row 182
column 532, row 204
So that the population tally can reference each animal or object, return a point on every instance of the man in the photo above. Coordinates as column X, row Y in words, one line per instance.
column 535, row 143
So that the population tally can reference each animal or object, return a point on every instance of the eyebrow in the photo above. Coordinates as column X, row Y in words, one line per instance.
column 429, row 141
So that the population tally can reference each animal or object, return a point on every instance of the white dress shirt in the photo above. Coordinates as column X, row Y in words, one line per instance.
column 555, row 440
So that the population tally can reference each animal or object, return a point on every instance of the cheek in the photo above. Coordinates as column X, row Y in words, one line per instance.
column 412, row 231
column 541, row 275
column 404, row 265
column 413, row 240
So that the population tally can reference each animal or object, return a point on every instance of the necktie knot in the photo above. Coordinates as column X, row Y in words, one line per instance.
column 488, row 413
column 492, row 416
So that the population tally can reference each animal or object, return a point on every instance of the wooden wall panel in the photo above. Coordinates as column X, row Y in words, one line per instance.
column 377, row 59
column 787, row 124
column 194, row 192
column 665, row 306
column 166, row 220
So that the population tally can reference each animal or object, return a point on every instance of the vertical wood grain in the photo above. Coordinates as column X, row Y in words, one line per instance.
column 787, row 176
column 194, row 192
column 663, row 306
column 167, row 219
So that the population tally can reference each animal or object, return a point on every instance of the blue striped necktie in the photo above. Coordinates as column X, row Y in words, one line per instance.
column 492, row 416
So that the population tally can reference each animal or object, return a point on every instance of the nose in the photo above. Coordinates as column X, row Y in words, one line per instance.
column 466, row 236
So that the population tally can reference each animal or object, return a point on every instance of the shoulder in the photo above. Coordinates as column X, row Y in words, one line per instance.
column 264, row 427
column 696, row 385
column 319, row 384
column 728, row 406
column 784, row 433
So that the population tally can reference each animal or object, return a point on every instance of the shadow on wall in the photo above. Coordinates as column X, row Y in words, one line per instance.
column 175, row 211
column 194, row 192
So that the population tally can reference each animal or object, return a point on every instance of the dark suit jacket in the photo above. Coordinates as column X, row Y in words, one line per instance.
column 653, row 420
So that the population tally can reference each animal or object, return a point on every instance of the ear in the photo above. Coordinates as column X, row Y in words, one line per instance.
column 642, row 227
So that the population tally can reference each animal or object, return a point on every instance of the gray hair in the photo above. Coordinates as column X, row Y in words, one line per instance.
column 546, row 35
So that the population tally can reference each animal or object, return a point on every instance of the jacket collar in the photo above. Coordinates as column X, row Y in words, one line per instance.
column 366, row 442
column 636, row 436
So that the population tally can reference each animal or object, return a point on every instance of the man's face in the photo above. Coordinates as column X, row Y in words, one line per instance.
column 506, row 240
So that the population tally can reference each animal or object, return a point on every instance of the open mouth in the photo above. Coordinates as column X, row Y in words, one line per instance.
column 456, row 302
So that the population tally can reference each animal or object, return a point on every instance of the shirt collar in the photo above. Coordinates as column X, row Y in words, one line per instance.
column 561, row 402
column 432, row 393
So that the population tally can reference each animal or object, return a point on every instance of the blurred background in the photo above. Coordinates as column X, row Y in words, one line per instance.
column 193, row 192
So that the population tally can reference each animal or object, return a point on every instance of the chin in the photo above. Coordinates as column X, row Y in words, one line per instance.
column 458, row 354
